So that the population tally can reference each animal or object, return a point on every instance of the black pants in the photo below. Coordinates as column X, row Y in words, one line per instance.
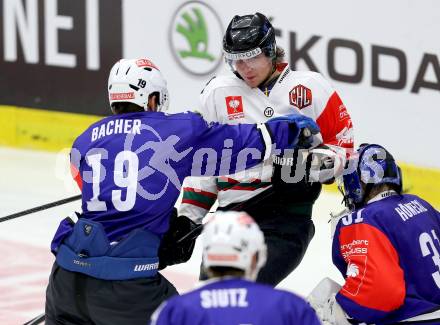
column 75, row 298
column 285, row 217
column 285, row 249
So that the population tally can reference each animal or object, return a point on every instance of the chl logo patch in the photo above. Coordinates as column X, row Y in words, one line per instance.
column 300, row 96
column 234, row 107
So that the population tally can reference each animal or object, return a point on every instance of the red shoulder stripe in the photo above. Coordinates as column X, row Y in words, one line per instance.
column 76, row 175
column 335, row 123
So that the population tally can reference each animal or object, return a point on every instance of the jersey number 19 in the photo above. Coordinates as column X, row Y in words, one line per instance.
column 127, row 180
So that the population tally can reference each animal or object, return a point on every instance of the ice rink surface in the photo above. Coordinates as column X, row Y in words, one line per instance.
column 33, row 178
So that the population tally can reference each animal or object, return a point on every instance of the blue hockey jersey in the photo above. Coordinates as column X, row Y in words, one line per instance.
column 235, row 301
column 130, row 167
column 389, row 253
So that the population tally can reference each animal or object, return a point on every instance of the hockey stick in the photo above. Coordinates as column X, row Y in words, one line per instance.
column 40, row 318
column 36, row 320
column 41, row 208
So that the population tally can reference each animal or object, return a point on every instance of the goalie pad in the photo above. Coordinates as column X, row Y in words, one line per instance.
column 323, row 301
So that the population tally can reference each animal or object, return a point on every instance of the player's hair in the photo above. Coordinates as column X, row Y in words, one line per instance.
column 126, row 107
column 280, row 55
column 376, row 189
column 222, row 271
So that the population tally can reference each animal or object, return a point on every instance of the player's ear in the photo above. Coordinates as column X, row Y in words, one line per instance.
column 153, row 100
column 254, row 262
column 113, row 109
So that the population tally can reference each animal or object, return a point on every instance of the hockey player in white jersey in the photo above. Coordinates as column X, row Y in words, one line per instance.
column 233, row 253
column 262, row 86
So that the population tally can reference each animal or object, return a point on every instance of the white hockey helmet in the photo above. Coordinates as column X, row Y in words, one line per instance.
column 233, row 239
column 133, row 80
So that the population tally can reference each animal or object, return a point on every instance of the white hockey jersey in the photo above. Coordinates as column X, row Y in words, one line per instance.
column 228, row 99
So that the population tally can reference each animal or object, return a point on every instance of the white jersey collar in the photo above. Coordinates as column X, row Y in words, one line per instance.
column 382, row 195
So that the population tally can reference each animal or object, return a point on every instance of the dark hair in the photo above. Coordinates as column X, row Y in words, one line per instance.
column 280, row 55
column 126, row 107
column 221, row 271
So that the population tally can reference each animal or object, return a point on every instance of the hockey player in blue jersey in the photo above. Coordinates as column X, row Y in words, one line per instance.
column 129, row 167
column 233, row 253
column 387, row 248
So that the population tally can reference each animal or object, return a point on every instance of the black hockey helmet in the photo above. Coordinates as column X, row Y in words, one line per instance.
column 248, row 36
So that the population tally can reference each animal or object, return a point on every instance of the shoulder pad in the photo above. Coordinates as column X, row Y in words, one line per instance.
column 206, row 85
column 312, row 78
column 221, row 81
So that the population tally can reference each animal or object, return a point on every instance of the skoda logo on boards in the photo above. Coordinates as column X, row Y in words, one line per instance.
column 195, row 38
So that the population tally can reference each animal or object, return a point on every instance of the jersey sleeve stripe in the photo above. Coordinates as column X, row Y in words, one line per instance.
column 196, row 203
column 199, row 197
column 245, row 186
column 76, row 175
column 201, row 192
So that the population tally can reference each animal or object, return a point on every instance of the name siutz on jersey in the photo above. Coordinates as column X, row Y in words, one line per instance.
column 223, row 298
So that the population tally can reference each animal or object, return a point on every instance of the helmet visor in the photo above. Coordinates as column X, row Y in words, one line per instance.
column 255, row 60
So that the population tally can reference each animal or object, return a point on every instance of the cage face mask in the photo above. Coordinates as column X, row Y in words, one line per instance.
column 373, row 165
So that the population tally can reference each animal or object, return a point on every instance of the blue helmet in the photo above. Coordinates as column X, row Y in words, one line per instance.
column 372, row 166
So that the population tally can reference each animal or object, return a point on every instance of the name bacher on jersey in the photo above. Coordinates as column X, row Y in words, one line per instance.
column 118, row 126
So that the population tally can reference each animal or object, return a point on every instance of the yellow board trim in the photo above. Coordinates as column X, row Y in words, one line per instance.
column 41, row 129
column 424, row 182
column 53, row 131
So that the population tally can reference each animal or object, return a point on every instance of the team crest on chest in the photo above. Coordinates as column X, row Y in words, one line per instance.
column 300, row 96
column 234, row 107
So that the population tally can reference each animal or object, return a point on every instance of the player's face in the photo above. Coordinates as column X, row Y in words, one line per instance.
column 255, row 70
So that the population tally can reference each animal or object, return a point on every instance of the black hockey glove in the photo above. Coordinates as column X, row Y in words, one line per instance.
column 172, row 249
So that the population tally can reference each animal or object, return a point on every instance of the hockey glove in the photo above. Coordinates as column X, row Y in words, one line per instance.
column 332, row 313
column 304, row 130
column 323, row 300
column 172, row 250
column 325, row 163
